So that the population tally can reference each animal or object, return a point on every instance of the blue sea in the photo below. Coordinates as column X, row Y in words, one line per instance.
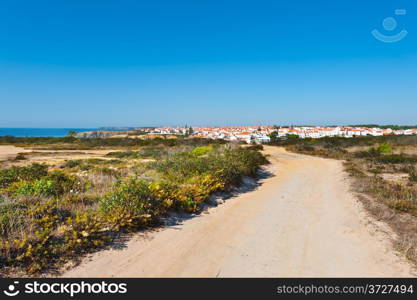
column 40, row 132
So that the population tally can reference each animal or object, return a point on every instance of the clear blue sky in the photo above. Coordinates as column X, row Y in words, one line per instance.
column 137, row 63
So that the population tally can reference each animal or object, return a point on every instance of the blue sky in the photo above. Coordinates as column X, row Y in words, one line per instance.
column 145, row 63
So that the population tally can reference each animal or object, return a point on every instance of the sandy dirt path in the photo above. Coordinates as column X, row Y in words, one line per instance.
column 301, row 222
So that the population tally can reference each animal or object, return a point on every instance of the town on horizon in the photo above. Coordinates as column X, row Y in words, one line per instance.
column 259, row 134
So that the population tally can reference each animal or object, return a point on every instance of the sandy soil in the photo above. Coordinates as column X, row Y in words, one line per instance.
column 302, row 222
column 10, row 152
column 396, row 177
column 47, row 156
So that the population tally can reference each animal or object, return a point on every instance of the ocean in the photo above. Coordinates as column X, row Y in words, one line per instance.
column 40, row 132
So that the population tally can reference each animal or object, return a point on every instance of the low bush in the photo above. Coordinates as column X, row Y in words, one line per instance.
column 403, row 206
column 165, row 193
column 155, row 152
column 73, row 143
column 306, row 148
column 353, row 170
column 20, row 156
column 371, row 153
column 229, row 165
column 396, row 159
column 107, row 171
column 31, row 253
column 82, row 233
column 256, row 147
column 27, row 173
column 201, row 150
column 98, row 161
column 36, row 247
column 131, row 204
column 146, row 152
column 384, row 148
column 124, row 154
column 55, row 184
column 189, row 197
column 72, row 163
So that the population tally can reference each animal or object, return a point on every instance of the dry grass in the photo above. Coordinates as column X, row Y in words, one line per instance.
column 393, row 201
column 403, row 225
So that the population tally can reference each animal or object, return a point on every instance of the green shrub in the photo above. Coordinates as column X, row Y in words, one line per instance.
column 256, row 147
column 375, row 171
column 55, row 184
column 32, row 253
column 180, row 166
column 98, row 161
column 189, row 197
column 201, row 150
column 404, row 206
column 353, row 170
column 56, row 236
column 20, row 156
column 306, row 148
column 229, row 164
column 155, row 152
column 72, row 163
column 145, row 152
column 371, row 153
column 88, row 164
column 64, row 183
column 72, row 143
column 27, row 173
column 124, row 154
column 396, row 159
column 384, row 148
column 130, row 204
column 27, row 188
column 107, row 171
column 82, row 233
column 165, row 192
column 85, row 167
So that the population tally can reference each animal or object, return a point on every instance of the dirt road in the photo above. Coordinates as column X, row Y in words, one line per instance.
column 301, row 222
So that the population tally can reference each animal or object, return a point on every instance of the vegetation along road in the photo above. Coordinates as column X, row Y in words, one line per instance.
column 302, row 221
